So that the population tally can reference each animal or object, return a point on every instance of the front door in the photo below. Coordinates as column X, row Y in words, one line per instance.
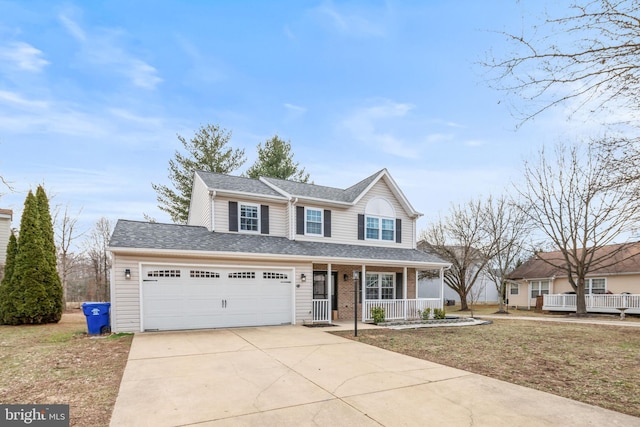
column 320, row 287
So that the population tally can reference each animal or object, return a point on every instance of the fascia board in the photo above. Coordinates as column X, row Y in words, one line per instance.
column 394, row 189
column 278, row 257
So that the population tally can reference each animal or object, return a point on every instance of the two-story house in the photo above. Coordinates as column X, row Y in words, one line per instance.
column 269, row 251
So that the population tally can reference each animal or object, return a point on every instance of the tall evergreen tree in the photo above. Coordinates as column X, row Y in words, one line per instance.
column 34, row 293
column 206, row 151
column 275, row 160
column 52, row 279
column 6, row 305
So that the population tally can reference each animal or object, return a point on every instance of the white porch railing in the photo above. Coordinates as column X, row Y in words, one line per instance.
column 401, row 309
column 321, row 310
column 603, row 303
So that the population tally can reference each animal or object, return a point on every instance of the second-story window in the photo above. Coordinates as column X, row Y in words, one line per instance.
column 249, row 217
column 380, row 228
column 313, row 222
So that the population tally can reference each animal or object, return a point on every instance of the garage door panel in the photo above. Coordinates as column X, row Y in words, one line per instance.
column 211, row 297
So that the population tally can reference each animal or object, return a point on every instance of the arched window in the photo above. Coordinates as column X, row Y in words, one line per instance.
column 380, row 220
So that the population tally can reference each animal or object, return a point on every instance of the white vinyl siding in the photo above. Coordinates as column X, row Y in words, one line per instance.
column 200, row 207
column 278, row 225
column 5, row 232
column 344, row 221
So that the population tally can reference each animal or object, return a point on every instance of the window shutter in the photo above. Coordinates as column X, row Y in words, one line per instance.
column 264, row 219
column 233, row 216
column 327, row 223
column 399, row 286
column 398, row 230
column 299, row 219
column 360, row 227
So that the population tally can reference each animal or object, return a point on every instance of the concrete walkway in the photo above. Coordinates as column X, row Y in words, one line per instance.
column 298, row 376
column 563, row 319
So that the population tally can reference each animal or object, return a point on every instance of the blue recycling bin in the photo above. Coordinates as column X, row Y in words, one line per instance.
column 97, row 314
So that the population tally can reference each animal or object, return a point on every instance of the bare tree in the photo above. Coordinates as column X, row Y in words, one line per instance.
column 571, row 199
column 588, row 59
column 510, row 230
column 65, row 233
column 462, row 240
column 96, row 250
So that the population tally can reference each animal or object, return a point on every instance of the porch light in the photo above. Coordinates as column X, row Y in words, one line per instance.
column 345, row 277
column 127, row 273
column 303, row 278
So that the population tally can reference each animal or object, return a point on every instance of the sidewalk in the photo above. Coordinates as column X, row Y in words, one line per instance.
column 593, row 321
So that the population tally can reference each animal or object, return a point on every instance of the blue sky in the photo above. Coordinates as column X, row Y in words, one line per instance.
column 92, row 95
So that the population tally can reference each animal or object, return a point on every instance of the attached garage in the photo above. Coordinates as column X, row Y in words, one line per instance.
column 196, row 297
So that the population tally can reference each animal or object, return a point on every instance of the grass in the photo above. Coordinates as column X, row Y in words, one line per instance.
column 594, row 364
column 61, row 364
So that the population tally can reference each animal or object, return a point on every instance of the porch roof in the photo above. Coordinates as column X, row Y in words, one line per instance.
column 136, row 236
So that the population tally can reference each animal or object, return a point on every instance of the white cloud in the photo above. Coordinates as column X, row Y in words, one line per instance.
column 23, row 56
column 17, row 100
column 376, row 125
column 474, row 143
column 103, row 48
column 351, row 22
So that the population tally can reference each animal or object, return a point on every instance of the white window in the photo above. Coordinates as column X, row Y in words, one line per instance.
column 595, row 286
column 313, row 221
column 514, row 289
column 539, row 287
column 380, row 286
column 249, row 219
column 380, row 228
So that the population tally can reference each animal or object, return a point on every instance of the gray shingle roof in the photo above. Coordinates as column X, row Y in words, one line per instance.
column 144, row 235
column 293, row 188
column 237, row 184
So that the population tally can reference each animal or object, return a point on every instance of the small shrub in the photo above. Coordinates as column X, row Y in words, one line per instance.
column 377, row 314
column 439, row 313
column 426, row 314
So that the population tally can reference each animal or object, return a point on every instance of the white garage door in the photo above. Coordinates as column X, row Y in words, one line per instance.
column 182, row 297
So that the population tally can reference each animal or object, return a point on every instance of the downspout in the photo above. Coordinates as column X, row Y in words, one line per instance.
column 292, row 218
column 212, row 219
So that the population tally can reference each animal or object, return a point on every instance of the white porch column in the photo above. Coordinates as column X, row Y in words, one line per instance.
column 404, row 292
column 330, row 285
column 363, row 290
column 441, row 288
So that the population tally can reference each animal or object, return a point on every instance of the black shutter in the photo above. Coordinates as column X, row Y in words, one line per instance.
column 360, row 227
column 299, row 219
column 327, row 223
column 233, row 216
column 264, row 219
column 398, row 230
column 399, row 286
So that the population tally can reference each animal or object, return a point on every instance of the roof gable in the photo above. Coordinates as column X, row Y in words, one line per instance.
column 285, row 189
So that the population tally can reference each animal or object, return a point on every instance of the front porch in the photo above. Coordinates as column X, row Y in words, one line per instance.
column 596, row 303
column 395, row 309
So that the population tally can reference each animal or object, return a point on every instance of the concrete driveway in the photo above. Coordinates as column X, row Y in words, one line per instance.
column 293, row 375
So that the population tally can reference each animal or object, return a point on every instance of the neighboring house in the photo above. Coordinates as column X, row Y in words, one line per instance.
column 6, row 215
column 609, row 286
column 269, row 251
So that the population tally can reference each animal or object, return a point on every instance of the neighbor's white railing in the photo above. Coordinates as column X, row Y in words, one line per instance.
column 401, row 309
column 321, row 310
column 594, row 302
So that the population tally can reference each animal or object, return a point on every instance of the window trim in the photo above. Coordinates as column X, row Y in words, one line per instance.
column 306, row 221
column 513, row 286
column 258, row 217
column 588, row 285
column 380, row 228
column 379, row 286
column 539, row 284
